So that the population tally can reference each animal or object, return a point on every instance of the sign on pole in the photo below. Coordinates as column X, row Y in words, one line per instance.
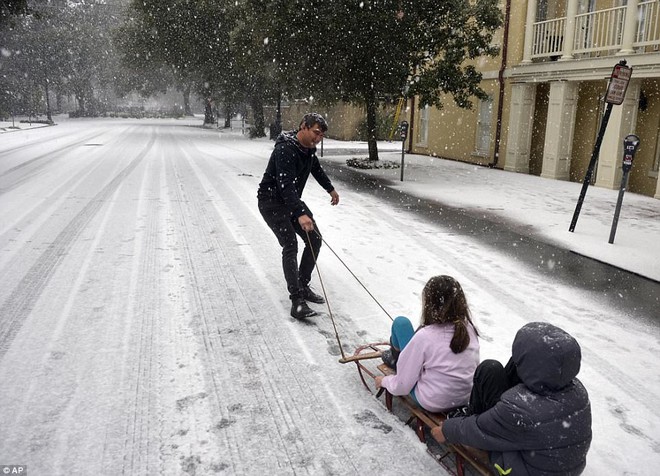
column 616, row 90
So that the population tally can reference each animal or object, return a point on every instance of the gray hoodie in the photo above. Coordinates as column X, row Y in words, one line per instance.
column 543, row 425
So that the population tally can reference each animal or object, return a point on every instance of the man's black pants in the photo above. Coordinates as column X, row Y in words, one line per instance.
column 287, row 229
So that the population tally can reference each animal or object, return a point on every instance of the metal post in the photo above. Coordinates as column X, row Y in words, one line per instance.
column 403, row 132
column 630, row 144
column 592, row 165
column 617, row 210
column 403, row 153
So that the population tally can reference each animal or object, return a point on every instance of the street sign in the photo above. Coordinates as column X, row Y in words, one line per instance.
column 616, row 90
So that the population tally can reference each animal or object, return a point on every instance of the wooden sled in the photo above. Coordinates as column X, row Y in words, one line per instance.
column 454, row 458
column 363, row 353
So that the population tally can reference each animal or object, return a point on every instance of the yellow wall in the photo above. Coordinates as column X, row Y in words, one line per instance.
column 648, row 128
column 517, row 18
column 452, row 130
column 587, row 124
column 343, row 119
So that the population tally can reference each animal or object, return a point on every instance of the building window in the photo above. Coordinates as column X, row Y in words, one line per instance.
column 484, row 122
column 424, row 126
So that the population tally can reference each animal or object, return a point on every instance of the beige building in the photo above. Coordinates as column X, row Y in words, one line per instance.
column 547, row 92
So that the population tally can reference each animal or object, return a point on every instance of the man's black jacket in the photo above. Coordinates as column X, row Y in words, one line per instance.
column 287, row 172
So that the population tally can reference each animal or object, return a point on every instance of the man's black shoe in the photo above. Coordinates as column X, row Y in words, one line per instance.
column 300, row 309
column 309, row 295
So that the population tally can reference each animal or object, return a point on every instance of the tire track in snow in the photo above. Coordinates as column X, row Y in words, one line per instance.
column 35, row 213
column 70, row 395
column 41, row 142
column 255, row 349
column 27, row 291
column 51, row 155
column 231, row 206
column 223, row 323
column 141, row 343
column 189, row 220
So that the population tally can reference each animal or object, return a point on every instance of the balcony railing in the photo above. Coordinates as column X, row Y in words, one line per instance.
column 648, row 26
column 548, row 38
column 598, row 33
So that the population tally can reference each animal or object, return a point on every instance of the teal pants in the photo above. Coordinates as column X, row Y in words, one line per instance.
column 402, row 332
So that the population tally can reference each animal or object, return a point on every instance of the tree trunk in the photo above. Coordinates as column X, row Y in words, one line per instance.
column 208, row 112
column 227, row 115
column 81, row 104
column 186, row 100
column 257, row 104
column 372, row 105
column 49, row 114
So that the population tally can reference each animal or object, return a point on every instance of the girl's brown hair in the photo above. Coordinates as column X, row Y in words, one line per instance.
column 443, row 301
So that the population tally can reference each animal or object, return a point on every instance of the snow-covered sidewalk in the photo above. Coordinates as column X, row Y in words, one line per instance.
column 539, row 207
column 19, row 125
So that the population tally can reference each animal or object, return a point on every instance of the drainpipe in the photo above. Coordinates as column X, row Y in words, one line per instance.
column 500, row 79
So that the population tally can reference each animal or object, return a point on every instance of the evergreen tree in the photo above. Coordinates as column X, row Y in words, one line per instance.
column 56, row 47
column 367, row 51
column 189, row 38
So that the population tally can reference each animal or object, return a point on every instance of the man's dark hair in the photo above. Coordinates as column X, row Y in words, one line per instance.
column 312, row 118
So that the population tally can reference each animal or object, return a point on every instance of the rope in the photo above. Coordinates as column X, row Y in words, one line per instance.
column 327, row 303
column 352, row 274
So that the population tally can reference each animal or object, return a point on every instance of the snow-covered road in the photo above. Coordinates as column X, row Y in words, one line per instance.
column 144, row 323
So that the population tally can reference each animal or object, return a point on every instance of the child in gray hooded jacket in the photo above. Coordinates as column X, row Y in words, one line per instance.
column 541, row 426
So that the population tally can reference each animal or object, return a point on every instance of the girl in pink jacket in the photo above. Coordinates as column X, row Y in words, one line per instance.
column 436, row 363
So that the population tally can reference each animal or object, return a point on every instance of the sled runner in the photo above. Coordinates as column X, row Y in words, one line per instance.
column 454, row 458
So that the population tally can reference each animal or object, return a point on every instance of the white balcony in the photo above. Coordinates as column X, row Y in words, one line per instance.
column 632, row 28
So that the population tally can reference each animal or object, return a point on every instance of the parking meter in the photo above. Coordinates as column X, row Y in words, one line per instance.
column 630, row 144
column 403, row 130
column 403, row 133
